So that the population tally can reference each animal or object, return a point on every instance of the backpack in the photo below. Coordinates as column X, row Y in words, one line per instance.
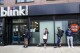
column 62, row 33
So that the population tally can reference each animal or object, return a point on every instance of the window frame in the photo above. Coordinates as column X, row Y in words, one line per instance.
column 50, row 0
column 25, row 1
column 1, row 3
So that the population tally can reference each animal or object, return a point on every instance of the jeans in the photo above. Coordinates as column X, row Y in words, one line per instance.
column 59, row 41
column 70, row 41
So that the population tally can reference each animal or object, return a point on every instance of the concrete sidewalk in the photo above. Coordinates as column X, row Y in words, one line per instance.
column 34, row 49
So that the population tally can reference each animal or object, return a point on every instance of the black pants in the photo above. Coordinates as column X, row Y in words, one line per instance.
column 45, row 40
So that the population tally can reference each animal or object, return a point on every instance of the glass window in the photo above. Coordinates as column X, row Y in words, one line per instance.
column 35, row 26
column 50, row 0
column 37, row 29
column 1, row 1
column 29, row 0
column 34, row 29
column 19, row 21
column 76, row 36
column 65, row 21
column 22, row 0
column 18, row 1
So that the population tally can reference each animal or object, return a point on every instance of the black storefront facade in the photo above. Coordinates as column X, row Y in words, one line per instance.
column 40, row 17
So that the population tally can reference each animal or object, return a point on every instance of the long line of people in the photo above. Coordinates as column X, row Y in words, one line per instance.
column 68, row 33
column 60, row 32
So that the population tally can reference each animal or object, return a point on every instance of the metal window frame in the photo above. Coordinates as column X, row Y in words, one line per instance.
column 25, row 1
column 1, row 3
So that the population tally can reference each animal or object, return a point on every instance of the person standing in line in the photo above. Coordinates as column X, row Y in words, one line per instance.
column 45, row 37
column 26, row 37
column 69, row 35
column 59, row 35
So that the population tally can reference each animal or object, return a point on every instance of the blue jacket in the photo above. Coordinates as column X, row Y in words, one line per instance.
column 69, row 32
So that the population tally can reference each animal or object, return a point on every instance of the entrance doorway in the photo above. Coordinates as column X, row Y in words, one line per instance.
column 18, row 32
column 15, row 30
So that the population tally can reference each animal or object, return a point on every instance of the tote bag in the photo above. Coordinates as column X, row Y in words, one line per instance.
column 45, row 36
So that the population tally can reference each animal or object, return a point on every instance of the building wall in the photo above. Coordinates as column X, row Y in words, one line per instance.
column 36, row 2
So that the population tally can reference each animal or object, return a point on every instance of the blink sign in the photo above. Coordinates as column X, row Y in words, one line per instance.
column 14, row 11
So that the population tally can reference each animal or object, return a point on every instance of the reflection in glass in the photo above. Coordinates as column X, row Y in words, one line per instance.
column 19, row 28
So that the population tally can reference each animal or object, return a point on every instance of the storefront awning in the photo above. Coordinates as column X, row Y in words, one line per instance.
column 50, row 9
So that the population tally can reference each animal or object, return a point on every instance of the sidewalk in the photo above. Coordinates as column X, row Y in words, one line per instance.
column 35, row 49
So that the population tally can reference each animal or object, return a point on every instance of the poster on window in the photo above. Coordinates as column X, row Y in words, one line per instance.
column 74, row 27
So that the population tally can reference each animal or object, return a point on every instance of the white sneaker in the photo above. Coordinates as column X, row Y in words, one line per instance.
column 71, row 46
column 44, row 46
column 68, row 46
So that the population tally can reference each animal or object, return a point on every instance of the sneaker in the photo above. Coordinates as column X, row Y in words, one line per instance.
column 25, row 46
column 59, row 45
column 68, row 46
column 44, row 46
column 71, row 46
column 55, row 46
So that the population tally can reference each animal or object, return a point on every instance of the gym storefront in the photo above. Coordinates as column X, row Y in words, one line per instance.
column 36, row 18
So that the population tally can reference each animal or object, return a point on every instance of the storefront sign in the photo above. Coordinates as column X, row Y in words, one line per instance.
column 11, row 11
column 74, row 27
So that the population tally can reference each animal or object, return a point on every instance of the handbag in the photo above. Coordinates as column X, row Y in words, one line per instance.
column 45, row 36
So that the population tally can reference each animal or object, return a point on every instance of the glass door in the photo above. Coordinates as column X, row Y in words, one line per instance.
column 15, row 34
column 22, row 29
column 18, row 30
column 18, row 33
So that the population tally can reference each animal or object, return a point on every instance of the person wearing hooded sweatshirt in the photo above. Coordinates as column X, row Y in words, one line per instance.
column 69, row 35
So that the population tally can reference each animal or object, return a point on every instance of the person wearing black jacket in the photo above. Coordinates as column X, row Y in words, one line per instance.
column 69, row 35
column 26, row 38
column 59, row 35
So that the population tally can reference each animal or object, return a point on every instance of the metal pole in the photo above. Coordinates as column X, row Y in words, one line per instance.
column 54, row 28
